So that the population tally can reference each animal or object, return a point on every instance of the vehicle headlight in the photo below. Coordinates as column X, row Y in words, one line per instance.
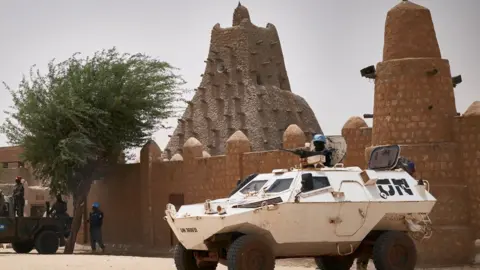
column 208, row 207
column 221, row 210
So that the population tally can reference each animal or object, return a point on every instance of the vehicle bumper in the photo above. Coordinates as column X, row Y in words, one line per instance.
column 188, row 232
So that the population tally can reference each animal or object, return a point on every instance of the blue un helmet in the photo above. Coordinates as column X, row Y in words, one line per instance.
column 96, row 205
column 319, row 138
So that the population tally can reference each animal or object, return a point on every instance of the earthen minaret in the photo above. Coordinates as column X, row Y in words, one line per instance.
column 244, row 87
column 414, row 106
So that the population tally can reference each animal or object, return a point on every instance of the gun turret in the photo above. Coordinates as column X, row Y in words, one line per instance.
column 307, row 158
column 301, row 153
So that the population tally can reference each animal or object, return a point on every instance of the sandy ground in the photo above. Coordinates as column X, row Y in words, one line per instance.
column 12, row 261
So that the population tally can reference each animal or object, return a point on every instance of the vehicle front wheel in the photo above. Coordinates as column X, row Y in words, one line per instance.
column 47, row 242
column 185, row 260
column 250, row 253
column 23, row 247
column 394, row 250
column 334, row 262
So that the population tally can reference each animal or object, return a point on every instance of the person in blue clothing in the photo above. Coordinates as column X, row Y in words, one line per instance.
column 96, row 222
column 319, row 148
column 319, row 144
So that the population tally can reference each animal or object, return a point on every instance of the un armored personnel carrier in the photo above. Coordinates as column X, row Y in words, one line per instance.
column 331, row 214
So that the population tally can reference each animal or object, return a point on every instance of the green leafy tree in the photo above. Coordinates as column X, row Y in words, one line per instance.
column 75, row 121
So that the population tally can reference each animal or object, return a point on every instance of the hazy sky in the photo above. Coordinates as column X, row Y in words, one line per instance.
column 325, row 42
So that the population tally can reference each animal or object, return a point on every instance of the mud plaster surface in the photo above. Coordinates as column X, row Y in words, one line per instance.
column 10, row 260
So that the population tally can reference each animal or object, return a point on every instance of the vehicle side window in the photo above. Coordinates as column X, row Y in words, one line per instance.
column 320, row 182
column 280, row 185
column 253, row 186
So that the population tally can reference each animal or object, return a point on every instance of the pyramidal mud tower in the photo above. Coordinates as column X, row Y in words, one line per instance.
column 244, row 87
column 414, row 106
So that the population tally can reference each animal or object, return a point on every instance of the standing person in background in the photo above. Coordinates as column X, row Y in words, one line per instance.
column 18, row 196
column 2, row 204
column 59, row 208
column 96, row 222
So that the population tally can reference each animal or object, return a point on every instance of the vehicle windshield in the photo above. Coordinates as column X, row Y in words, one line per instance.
column 253, row 186
column 280, row 185
column 384, row 157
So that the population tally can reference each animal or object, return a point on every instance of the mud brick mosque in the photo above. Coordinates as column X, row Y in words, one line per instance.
column 244, row 87
column 244, row 109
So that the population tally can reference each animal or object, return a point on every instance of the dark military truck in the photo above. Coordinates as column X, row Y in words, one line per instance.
column 44, row 234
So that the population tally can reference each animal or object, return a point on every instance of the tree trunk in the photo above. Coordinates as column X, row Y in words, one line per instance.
column 79, row 200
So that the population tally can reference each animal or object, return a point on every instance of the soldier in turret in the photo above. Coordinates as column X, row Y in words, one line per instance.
column 319, row 146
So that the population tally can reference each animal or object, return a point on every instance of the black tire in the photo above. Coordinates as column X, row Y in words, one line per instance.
column 249, row 252
column 334, row 262
column 23, row 247
column 394, row 250
column 185, row 260
column 47, row 242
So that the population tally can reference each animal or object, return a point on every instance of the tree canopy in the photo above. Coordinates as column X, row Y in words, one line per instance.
column 81, row 114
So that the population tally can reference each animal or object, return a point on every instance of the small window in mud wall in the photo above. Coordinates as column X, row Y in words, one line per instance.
column 5, row 165
column 259, row 79
column 320, row 182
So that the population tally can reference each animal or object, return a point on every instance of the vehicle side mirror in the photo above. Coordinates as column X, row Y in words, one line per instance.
column 307, row 182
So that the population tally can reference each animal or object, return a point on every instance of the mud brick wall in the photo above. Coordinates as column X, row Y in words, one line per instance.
column 358, row 136
column 414, row 106
column 262, row 162
column 467, row 131
column 197, row 180
column 119, row 197
column 244, row 87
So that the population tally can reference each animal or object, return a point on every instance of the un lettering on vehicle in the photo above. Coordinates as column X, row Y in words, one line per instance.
column 188, row 230
column 393, row 187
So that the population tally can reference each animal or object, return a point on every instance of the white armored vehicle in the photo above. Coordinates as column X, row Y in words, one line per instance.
column 332, row 214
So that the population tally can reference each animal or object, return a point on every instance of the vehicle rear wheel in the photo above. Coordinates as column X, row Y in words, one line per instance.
column 47, row 242
column 185, row 260
column 23, row 247
column 334, row 262
column 250, row 253
column 394, row 250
